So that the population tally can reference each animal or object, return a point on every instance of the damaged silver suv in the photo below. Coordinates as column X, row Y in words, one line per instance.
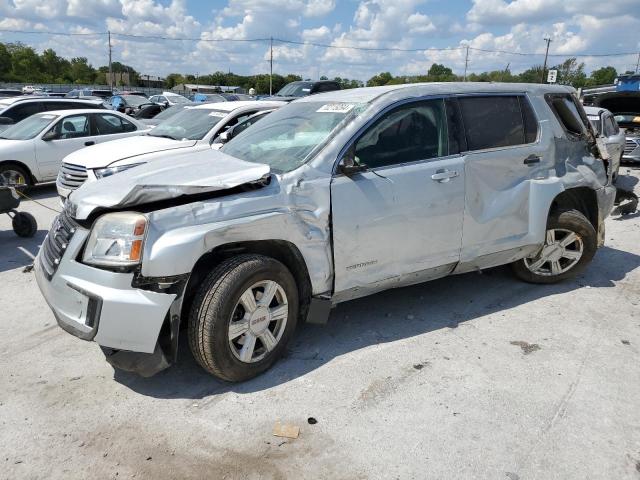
column 332, row 197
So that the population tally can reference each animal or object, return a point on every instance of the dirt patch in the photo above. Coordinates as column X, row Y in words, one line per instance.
column 526, row 347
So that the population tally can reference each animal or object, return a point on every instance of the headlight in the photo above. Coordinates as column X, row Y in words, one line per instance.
column 116, row 240
column 107, row 172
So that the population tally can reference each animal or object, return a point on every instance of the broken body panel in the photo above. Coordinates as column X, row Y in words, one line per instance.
column 356, row 235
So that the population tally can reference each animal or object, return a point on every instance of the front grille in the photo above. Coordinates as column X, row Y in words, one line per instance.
column 56, row 243
column 71, row 176
column 629, row 146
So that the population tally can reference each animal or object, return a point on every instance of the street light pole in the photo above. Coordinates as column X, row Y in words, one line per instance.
column 271, row 68
column 544, row 67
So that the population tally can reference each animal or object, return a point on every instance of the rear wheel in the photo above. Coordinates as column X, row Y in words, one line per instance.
column 242, row 317
column 570, row 244
column 13, row 175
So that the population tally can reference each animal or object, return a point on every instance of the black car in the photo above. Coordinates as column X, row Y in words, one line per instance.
column 294, row 90
column 9, row 92
column 127, row 103
column 13, row 110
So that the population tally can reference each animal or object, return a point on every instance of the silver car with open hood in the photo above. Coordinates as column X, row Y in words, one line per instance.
column 332, row 197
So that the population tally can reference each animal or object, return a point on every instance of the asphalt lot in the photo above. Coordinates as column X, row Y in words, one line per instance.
column 469, row 377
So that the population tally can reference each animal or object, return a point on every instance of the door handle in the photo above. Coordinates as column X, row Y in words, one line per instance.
column 443, row 176
column 531, row 159
column 89, row 143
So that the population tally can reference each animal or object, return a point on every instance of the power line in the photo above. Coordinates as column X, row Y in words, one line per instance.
column 315, row 44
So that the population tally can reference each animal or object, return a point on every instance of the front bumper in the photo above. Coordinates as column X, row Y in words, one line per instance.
column 100, row 305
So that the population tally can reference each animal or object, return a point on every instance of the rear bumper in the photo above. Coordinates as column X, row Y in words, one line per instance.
column 99, row 305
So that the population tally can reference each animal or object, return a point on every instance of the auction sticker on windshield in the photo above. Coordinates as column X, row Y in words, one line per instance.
column 336, row 107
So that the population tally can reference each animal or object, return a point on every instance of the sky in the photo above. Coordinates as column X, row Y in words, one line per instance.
column 197, row 34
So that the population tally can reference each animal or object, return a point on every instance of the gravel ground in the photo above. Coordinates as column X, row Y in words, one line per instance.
column 474, row 376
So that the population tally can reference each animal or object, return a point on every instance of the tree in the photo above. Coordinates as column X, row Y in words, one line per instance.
column 439, row 73
column 82, row 71
column 173, row 79
column 25, row 63
column 602, row 76
column 381, row 79
column 54, row 67
column 570, row 72
column 531, row 75
column 5, row 62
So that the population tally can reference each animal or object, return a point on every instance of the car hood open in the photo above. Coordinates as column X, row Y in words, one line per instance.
column 105, row 153
column 169, row 178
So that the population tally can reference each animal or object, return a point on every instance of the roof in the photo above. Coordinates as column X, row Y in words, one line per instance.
column 368, row 94
column 231, row 106
column 11, row 100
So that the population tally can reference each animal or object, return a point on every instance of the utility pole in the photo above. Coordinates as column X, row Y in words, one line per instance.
column 110, row 72
column 466, row 63
column 271, row 68
column 638, row 63
column 544, row 68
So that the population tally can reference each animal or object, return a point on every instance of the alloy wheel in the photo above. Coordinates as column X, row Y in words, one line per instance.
column 258, row 321
column 562, row 250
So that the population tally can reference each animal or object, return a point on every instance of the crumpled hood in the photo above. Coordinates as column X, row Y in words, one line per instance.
column 183, row 174
column 105, row 153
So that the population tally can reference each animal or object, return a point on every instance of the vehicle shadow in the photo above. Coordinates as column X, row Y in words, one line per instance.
column 385, row 317
column 16, row 252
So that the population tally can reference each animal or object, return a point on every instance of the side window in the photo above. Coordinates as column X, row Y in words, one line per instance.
column 417, row 131
column 530, row 121
column 74, row 126
column 20, row 112
column 610, row 126
column 108, row 124
column 492, row 121
column 566, row 111
column 457, row 139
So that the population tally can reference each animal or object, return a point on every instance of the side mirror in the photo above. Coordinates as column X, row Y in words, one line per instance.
column 6, row 121
column 50, row 135
column 166, row 104
column 349, row 165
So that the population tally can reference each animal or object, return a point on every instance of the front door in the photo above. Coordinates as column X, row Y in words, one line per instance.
column 70, row 134
column 400, row 220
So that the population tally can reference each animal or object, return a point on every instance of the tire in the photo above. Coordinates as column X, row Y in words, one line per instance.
column 11, row 174
column 561, row 223
column 217, row 306
column 24, row 224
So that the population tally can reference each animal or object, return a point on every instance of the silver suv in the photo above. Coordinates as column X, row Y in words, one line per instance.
column 333, row 197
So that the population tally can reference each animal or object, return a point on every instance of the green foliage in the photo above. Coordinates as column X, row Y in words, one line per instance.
column 21, row 63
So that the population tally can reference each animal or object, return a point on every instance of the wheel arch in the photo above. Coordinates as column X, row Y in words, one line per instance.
column 283, row 251
column 582, row 199
column 22, row 165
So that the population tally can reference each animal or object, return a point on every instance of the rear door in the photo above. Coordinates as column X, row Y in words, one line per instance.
column 503, row 155
column 107, row 126
column 71, row 133
column 400, row 220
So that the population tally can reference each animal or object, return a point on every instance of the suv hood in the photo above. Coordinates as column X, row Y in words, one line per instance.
column 185, row 174
column 104, row 154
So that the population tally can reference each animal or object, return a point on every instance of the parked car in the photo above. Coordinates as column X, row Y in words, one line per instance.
column 32, row 150
column 220, row 97
column 168, row 99
column 9, row 92
column 192, row 129
column 87, row 92
column 29, row 89
column 15, row 109
column 625, row 106
column 332, row 197
column 238, row 128
column 606, row 126
column 166, row 113
column 62, row 95
column 294, row 90
column 129, row 104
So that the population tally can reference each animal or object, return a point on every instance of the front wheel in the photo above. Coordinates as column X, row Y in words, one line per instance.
column 242, row 317
column 570, row 244
column 24, row 224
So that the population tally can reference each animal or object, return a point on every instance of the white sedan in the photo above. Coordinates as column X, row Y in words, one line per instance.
column 32, row 150
column 193, row 129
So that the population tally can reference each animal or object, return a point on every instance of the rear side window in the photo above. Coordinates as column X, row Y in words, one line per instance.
column 107, row 124
column 610, row 126
column 566, row 111
column 495, row 121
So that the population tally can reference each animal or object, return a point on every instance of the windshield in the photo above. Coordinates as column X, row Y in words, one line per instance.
column 135, row 100
column 295, row 89
column 285, row 139
column 28, row 128
column 190, row 124
column 169, row 112
column 178, row 99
